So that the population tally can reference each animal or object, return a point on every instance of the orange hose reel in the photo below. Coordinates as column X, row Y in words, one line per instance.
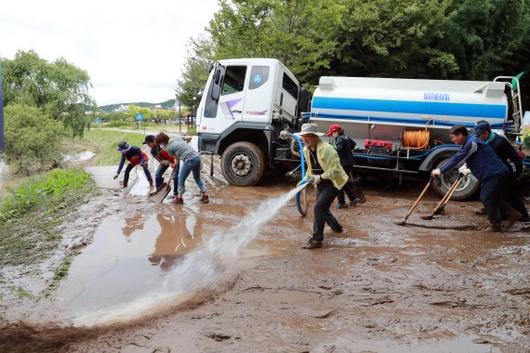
column 415, row 139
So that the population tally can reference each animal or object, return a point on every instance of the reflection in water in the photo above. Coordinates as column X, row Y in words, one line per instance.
column 133, row 224
column 174, row 239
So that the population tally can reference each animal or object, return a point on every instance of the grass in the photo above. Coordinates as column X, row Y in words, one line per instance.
column 62, row 270
column 104, row 142
column 22, row 293
column 31, row 211
column 44, row 190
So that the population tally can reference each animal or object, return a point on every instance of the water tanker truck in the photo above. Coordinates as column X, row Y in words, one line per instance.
column 250, row 108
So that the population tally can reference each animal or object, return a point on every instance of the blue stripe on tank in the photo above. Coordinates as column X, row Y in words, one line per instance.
column 424, row 122
column 496, row 111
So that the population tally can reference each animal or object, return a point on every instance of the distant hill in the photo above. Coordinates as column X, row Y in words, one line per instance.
column 111, row 107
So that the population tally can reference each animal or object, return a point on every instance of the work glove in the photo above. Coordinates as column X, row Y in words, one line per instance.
column 436, row 172
column 315, row 180
column 115, row 177
column 464, row 170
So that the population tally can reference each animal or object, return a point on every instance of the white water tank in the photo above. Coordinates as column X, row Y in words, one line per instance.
column 408, row 102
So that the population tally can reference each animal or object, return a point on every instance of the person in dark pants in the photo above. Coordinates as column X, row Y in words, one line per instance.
column 325, row 172
column 345, row 146
column 165, row 160
column 135, row 156
column 507, row 153
column 483, row 162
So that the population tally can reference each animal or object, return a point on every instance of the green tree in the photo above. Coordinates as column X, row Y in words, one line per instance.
column 59, row 89
column 394, row 38
column 195, row 72
column 135, row 109
column 32, row 139
column 300, row 33
column 488, row 37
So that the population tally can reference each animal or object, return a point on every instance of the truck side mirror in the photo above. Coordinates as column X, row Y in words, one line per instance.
column 216, row 92
column 216, row 76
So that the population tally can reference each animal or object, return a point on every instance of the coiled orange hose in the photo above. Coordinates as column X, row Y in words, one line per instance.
column 417, row 139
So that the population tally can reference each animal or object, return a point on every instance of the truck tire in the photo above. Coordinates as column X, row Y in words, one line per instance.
column 243, row 164
column 467, row 188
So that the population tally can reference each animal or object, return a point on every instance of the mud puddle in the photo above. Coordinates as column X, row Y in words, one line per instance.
column 130, row 257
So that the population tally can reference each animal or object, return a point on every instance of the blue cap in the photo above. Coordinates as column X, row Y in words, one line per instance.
column 481, row 127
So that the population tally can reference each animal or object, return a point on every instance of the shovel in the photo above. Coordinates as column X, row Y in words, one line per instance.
column 441, row 205
column 161, row 194
column 402, row 223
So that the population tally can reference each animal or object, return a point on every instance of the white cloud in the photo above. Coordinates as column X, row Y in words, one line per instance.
column 133, row 50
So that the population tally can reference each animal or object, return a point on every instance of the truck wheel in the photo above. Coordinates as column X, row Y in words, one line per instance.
column 465, row 190
column 243, row 164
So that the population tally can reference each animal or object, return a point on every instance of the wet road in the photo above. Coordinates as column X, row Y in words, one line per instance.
column 431, row 286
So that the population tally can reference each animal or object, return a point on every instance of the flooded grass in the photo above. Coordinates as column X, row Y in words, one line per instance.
column 30, row 213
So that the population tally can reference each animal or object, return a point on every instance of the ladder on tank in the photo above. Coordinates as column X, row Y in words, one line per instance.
column 517, row 115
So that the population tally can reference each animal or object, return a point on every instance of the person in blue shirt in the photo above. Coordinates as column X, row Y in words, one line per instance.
column 509, row 156
column 135, row 156
column 486, row 166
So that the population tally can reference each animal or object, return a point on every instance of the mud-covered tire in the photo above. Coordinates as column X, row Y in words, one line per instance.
column 243, row 164
column 467, row 188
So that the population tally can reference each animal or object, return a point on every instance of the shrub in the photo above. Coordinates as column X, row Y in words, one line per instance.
column 32, row 139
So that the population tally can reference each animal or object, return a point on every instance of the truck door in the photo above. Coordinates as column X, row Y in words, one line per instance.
column 225, row 102
column 258, row 100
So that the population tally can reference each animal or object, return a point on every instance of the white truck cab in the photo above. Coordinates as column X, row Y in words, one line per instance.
column 244, row 102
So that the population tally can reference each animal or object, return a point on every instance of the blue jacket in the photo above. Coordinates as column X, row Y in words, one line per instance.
column 480, row 158
column 133, row 151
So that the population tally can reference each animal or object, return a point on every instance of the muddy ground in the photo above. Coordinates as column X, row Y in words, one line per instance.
column 432, row 286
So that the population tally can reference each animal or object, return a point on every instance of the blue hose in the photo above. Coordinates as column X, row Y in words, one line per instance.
column 302, row 168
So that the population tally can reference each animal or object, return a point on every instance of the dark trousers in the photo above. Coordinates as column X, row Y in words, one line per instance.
column 128, row 171
column 348, row 188
column 325, row 195
column 492, row 196
column 159, row 176
column 515, row 196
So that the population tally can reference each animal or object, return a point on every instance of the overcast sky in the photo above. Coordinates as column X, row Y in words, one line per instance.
column 133, row 50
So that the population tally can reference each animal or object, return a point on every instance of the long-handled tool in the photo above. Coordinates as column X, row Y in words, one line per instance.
column 168, row 188
column 416, row 203
column 441, row 205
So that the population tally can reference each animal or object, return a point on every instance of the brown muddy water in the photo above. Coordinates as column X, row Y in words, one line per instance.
column 220, row 278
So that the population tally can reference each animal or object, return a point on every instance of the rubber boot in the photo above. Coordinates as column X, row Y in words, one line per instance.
column 512, row 216
column 359, row 193
column 313, row 244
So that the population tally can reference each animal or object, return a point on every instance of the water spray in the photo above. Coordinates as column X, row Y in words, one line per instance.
column 208, row 267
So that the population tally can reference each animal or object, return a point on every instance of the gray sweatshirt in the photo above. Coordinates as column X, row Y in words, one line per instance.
column 180, row 149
